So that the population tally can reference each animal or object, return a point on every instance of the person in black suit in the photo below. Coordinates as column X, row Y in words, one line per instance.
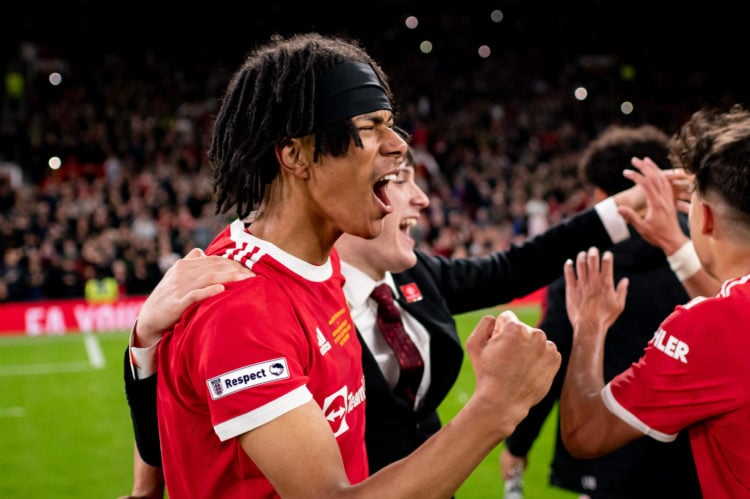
column 644, row 468
column 429, row 290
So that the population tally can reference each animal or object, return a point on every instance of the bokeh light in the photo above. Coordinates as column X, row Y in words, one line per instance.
column 55, row 78
column 54, row 163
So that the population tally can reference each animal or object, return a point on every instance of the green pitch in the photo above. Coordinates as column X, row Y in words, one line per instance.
column 65, row 428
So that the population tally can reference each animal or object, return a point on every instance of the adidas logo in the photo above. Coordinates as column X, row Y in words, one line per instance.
column 323, row 343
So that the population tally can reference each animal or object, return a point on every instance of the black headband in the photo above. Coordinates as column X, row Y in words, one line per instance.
column 347, row 90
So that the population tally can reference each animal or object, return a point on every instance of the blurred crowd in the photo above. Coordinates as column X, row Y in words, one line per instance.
column 497, row 140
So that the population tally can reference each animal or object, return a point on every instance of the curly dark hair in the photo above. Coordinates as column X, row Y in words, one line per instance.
column 271, row 99
column 714, row 144
column 609, row 154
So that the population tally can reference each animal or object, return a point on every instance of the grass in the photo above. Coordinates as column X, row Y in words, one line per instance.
column 65, row 428
column 485, row 481
column 64, row 425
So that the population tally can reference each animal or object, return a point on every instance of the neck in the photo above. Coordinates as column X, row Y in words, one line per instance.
column 295, row 233
column 352, row 251
column 733, row 261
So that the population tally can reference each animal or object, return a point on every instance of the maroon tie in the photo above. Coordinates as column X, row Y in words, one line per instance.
column 409, row 359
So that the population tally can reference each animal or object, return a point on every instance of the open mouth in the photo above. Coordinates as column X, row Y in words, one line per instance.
column 406, row 224
column 380, row 189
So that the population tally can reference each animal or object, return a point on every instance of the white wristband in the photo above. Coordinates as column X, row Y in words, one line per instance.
column 684, row 262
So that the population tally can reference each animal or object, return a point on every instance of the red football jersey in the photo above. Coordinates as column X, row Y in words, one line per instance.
column 236, row 361
column 695, row 375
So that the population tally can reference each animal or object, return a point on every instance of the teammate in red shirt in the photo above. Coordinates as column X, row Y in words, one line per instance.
column 260, row 388
column 694, row 374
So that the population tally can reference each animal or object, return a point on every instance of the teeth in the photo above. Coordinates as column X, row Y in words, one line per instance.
column 390, row 177
column 408, row 222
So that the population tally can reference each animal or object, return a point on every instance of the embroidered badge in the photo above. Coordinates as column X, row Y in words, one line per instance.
column 411, row 292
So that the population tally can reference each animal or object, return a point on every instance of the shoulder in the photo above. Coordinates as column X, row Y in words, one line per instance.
column 426, row 268
column 256, row 297
column 721, row 312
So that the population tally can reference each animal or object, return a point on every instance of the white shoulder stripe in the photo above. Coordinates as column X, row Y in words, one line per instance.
column 618, row 410
column 262, row 415
column 726, row 288
column 248, row 249
column 695, row 301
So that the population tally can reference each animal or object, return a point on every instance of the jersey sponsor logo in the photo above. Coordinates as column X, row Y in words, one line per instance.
column 670, row 345
column 337, row 405
column 323, row 343
column 411, row 292
column 247, row 377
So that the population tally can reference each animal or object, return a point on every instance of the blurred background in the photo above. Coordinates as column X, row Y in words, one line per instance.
column 106, row 109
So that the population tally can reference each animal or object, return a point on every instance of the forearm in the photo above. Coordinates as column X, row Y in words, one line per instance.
column 435, row 469
column 141, row 397
column 148, row 481
column 519, row 443
column 580, row 400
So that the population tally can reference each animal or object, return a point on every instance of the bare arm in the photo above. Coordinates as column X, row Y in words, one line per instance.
column 588, row 428
column 514, row 367
column 659, row 225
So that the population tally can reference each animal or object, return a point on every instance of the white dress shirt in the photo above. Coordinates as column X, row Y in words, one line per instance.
column 357, row 289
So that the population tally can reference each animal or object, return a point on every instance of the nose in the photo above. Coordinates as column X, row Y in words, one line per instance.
column 394, row 144
column 419, row 197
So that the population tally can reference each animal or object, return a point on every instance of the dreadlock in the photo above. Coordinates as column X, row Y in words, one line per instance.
column 270, row 100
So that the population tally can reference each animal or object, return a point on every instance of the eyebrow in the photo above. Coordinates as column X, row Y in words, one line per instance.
column 375, row 116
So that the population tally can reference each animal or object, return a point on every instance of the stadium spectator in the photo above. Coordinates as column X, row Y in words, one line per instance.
column 131, row 130
column 693, row 375
column 100, row 286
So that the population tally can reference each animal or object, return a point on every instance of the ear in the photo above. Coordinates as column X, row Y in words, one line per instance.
column 599, row 195
column 708, row 223
column 295, row 157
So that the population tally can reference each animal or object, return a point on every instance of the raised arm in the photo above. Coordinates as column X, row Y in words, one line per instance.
column 588, row 428
column 665, row 193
